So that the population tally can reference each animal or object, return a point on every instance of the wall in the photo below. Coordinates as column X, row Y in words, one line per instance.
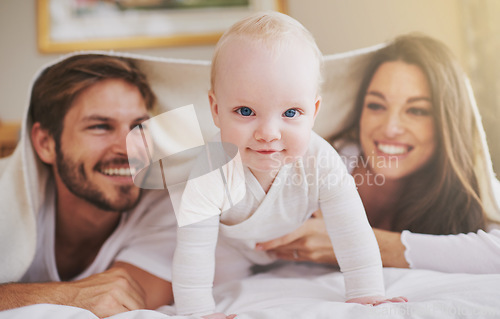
column 338, row 25
column 342, row 25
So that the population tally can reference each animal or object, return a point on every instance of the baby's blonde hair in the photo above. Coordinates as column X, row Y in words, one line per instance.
column 272, row 28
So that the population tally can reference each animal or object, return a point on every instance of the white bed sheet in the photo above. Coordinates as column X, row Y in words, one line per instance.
column 287, row 293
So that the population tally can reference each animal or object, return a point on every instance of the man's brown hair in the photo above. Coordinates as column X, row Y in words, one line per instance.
column 57, row 87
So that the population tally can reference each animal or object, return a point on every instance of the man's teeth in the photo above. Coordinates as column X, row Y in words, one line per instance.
column 392, row 149
column 118, row 171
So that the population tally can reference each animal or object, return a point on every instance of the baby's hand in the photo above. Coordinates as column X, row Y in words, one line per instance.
column 219, row 315
column 376, row 300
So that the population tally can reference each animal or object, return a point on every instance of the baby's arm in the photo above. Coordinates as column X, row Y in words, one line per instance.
column 354, row 243
column 204, row 198
column 194, row 267
column 219, row 315
column 376, row 300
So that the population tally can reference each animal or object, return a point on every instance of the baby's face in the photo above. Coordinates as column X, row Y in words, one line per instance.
column 265, row 103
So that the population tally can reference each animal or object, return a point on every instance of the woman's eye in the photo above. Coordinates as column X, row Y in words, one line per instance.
column 419, row 111
column 291, row 113
column 375, row 106
column 245, row 111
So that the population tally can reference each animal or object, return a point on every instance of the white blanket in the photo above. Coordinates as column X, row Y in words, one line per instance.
column 283, row 293
column 288, row 293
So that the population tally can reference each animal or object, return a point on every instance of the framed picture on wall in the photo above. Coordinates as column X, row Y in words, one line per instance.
column 72, row 25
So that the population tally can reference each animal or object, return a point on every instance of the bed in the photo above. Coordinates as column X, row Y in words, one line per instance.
column 305, row 291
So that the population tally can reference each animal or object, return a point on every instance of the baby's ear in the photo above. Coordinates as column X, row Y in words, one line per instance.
column 317, row 105
column 213, row 107
column 44, row 144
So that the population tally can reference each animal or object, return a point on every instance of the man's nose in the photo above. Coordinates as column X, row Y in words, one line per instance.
column 119, row 143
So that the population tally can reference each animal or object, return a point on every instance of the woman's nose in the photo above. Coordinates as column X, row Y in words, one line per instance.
column 394, row 125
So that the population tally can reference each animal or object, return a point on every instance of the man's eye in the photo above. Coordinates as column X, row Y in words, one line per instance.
column 245, row 111
column 291, row 113
column 142, row 124
column 375, row 106
column 100, row 127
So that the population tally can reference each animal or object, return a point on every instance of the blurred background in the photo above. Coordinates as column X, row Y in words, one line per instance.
column 470, row 28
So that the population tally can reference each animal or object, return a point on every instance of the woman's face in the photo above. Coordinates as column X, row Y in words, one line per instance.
column 397, row 130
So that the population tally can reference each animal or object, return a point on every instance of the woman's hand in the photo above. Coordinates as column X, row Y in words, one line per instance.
column 310, row 242
column 391, row 248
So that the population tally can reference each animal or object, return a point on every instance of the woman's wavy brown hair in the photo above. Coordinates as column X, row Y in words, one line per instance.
column 444, row 196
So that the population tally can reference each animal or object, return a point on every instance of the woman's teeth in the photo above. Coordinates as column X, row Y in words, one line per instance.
column 392, row 149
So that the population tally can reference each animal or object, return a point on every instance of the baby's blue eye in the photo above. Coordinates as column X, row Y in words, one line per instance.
column 290, row 113
column 244, row 111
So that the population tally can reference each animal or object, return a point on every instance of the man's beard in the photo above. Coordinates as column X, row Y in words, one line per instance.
column 74, row 177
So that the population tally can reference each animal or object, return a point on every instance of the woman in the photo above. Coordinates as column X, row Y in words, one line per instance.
column 416, row 150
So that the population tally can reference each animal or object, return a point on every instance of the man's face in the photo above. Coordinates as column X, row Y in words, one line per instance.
column 265, row 102
column 91, row 157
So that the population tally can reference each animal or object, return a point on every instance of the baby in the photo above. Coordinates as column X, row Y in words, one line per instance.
column 264, row 98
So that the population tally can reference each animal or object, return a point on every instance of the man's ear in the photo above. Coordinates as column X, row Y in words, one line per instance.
column 213, row 107
column 44, row 144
